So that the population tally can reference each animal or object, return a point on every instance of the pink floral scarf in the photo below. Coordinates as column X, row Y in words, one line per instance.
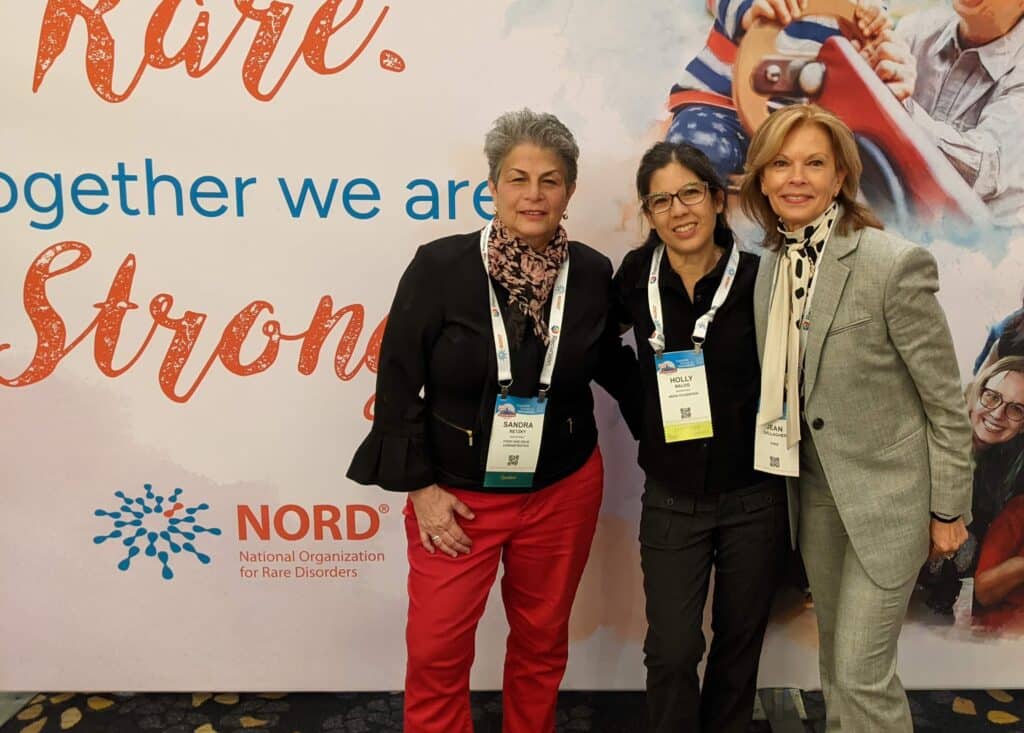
column 528, row 276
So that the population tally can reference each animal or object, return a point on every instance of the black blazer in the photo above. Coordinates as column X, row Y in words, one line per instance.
column 439, row 339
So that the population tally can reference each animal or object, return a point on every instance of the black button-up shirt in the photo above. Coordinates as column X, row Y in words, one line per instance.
column 726, row 461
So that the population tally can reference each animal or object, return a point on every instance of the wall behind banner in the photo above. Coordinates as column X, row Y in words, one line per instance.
column 199, row 249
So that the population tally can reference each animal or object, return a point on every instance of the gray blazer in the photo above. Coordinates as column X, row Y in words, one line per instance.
column 882, row 396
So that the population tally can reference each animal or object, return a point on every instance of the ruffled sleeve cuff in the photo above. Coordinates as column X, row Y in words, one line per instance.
column 392, row 461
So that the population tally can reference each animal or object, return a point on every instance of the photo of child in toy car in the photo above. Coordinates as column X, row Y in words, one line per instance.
column 932, row 95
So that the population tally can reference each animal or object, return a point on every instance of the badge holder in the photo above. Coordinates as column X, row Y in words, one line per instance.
column 683, row 393
column 772, row 453
column 516, row 432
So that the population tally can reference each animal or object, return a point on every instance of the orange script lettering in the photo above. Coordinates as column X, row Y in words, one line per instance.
column 100, row 53
column 52, row 338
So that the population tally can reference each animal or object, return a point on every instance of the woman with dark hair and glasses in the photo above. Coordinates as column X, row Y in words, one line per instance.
column 687, row 293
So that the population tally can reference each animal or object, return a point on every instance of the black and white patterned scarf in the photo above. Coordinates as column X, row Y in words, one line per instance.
column 794, row 273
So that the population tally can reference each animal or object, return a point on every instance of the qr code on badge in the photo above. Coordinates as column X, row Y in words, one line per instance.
column 774, row 462
column 684, row 413
column 513, row 460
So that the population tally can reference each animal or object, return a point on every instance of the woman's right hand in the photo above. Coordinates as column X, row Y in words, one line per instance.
column 435, row 511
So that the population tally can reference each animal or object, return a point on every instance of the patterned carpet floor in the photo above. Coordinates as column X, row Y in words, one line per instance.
column 602, row 712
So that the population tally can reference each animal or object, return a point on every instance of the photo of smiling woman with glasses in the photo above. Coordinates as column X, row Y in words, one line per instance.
column 687, row 293
column 997, row 417
column 996, row 402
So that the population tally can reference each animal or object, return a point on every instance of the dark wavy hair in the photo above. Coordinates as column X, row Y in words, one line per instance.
column 662, row 154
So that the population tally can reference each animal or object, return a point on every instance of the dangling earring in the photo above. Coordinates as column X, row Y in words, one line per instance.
column 565, row 215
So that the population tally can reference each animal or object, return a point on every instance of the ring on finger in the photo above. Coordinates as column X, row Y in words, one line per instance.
column 436, row 539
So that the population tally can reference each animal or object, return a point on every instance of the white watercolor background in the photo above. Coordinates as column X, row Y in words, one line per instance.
column 68, row 617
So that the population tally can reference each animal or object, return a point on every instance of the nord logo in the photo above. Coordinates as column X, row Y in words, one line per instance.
column 294, row 522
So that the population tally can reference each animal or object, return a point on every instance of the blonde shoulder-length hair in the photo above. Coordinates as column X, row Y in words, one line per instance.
column 1000, row 366
column 765, row 146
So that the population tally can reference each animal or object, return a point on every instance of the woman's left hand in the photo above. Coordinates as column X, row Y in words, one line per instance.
column 946, row 538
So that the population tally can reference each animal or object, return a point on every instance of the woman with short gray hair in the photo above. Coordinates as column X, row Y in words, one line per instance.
column 484, row 416
column 525, row 126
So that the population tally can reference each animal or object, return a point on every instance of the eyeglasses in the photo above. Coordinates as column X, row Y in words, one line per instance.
column 689, row 195
column 991, row 399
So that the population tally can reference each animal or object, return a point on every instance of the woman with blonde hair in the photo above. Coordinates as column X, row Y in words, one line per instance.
column 860, row 405
column 997, row 425
column 998, row 436
column 996, row 402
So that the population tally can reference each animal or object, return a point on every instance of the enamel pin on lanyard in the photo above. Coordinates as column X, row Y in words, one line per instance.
column 682, row 381
column 518, row 422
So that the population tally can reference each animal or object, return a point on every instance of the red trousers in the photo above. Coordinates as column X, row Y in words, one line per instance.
column 543, row 539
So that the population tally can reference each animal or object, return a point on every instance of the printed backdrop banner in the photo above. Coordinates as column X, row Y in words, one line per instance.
column 205, row 208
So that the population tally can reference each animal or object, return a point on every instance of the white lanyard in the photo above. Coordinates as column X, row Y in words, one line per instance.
column 501, row 348
column 700, row 328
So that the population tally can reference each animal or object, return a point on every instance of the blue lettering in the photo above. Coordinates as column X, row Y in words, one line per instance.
column 323, row 205
column 479, row 198
column 122, row 178
column 196, row 196
column 12, row 200
column 56, row 205
column 349, row 195
column 453, row 189
column 151, row 183
column 79, row 191
column 240, row 185
column 432, row 198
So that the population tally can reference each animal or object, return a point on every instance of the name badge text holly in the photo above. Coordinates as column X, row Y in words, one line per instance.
column 683, row 392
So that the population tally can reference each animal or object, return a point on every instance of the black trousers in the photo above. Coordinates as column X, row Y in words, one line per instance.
column 743, row 534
